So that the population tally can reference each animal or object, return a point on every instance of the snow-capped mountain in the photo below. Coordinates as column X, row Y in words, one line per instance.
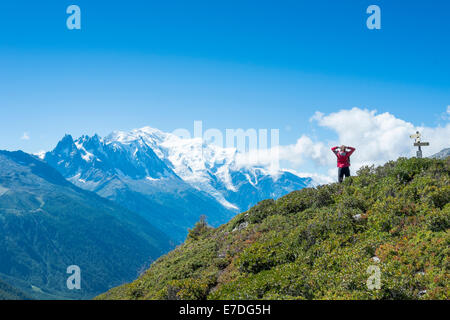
column 443, row 154
column 214, row 170
column 169, row 180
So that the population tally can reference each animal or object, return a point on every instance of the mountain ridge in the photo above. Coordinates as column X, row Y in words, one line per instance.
column 444, row 153
column 47, row 224
column 8, row 292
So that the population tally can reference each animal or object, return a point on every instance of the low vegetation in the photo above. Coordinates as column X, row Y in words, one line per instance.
column 319, row 243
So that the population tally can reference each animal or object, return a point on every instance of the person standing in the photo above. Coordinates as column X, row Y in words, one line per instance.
column 343, row 154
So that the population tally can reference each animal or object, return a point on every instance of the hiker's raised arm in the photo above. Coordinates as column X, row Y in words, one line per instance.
column 334, row 149
column 351, row 150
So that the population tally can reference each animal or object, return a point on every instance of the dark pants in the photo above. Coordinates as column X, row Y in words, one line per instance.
column 343, row 172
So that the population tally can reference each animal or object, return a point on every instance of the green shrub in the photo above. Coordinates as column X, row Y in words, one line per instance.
column 439, row 220
column 201, row 228
column 261, row 211
column 262, row 256
column 188, row 289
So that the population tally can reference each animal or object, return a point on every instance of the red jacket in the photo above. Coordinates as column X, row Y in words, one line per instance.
column 343, row 160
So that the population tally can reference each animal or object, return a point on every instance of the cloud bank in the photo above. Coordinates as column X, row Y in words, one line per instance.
column 377, row 137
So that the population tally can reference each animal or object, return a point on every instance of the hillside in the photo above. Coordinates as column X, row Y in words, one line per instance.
column 48, row 224
column 8, row 292
column 317, row 243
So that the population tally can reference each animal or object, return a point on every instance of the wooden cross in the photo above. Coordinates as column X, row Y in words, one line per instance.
column 418, row 143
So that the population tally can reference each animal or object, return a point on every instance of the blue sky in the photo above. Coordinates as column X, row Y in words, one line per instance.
column 233, row 64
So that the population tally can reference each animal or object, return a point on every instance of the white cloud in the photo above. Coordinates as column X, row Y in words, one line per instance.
column 318, row 179
column 381, row 137
column 377, row 137
column 40, row 154
column 25, row 136
column 446, row 115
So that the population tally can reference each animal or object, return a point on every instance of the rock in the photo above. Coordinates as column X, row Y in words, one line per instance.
column 376, row 259
column 422, row 293
column 243, row 225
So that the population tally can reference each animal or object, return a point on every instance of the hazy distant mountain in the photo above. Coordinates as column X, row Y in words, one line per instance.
column 48, row 224
column 442, row 154
column 168, row 180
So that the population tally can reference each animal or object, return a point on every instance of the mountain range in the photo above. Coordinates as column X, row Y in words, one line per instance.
column 48, row 222
column 170, row 181
column 113, row 205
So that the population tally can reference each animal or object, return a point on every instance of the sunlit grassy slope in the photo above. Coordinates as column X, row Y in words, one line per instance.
column 318, row 243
